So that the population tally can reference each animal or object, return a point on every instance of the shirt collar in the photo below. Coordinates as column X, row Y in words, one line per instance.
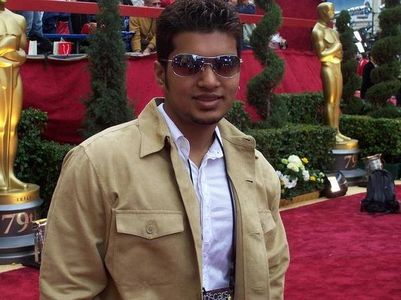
column 181, row 141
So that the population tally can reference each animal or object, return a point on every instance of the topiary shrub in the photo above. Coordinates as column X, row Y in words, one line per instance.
column 386, row 52
column 260, row 87
column 388, row 111
column 38, row 161
column 108, row 104
column 357, row 106
column 351, row 81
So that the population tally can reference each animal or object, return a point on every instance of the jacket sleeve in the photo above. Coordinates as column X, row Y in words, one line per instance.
column 76, row 234
column 276, row 245
column 136, row 38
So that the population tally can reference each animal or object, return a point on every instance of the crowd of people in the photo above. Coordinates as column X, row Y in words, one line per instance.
column 142, row 29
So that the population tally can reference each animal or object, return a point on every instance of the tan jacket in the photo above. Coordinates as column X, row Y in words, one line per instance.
column 124, row 222
column 144, row 28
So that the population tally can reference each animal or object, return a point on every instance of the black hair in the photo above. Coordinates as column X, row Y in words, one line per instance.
column 195, row 16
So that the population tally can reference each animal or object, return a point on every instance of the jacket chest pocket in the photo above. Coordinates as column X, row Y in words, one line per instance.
column 149, row 224
column 143, row 247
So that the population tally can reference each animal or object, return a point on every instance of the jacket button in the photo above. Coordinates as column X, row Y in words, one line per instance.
column 150, row 228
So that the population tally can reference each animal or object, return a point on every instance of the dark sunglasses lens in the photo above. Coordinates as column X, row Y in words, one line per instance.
column 227, row 65
column 186, row 64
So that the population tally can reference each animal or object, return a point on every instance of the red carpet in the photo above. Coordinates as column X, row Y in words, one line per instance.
column 336, row 253
column 21, row 284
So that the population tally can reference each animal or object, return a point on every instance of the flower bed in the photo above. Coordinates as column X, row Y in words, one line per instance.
column 296, row 179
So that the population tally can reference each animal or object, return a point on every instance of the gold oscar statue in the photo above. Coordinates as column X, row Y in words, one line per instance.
column 12, row 55
column 328, row 48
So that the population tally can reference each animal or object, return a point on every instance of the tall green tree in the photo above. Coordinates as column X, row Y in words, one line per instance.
column 260, row 88
column 351, row 80
column 386, row 52
column 108, row 103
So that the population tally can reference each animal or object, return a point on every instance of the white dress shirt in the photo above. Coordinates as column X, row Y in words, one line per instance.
column 211, row 187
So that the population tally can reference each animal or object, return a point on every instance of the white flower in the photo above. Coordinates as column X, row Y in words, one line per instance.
column 295, row 160
column 293, row 166
column 306, row 175
column 288, row 182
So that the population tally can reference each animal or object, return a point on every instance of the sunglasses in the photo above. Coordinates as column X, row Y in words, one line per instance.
column 225, row 66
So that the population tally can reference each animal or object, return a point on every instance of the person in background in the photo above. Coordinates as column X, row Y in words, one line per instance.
column 57, row 23
column 245, row 7
column 165, row 3
column 82, row 23
column 366, row 79
column 138, row 2
column 34, row 25
column 144, row 38
column 177, row 204
column 361, row 64
column 278, row 42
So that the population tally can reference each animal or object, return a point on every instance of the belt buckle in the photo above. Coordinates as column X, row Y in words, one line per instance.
column 218, row 294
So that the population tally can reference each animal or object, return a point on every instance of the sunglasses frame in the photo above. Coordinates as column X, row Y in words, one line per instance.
column 207, row 60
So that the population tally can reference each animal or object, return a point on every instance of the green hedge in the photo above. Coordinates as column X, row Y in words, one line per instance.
column 38, row 161
column 311, row 141
column 305, row 108
column 374, row 135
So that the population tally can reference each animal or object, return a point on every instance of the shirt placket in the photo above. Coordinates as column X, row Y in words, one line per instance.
column 206, row 218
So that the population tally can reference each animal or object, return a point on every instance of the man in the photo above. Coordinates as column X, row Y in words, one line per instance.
column 144, row 38
column 329, row 50
column 362, row 63
column 366, row 79
column 177, row 204
column 12, row 55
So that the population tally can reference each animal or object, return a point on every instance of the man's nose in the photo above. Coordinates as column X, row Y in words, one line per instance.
column 208, row 76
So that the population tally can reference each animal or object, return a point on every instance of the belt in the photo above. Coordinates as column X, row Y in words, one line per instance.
column 218, row 294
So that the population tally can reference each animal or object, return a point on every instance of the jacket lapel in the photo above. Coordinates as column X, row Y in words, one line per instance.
column 251, row 261
column 154, row 138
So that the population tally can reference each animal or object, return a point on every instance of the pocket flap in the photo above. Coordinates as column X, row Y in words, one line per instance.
column 267, row 221
column 149, row 224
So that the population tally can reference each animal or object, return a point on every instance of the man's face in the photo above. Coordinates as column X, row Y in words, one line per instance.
column 201, row 99
column 154, row 3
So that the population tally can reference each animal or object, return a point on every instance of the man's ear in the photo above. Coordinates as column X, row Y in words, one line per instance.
column 160, row 74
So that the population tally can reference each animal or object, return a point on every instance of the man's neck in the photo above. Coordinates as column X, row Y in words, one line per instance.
column 200, row 140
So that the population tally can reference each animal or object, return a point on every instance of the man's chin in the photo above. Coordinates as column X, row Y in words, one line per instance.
column 207, row 121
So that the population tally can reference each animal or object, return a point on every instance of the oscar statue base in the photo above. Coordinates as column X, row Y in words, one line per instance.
column 346, row 160
column 18, row 208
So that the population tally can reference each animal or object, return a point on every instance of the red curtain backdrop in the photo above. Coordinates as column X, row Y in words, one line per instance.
column 59, row 87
